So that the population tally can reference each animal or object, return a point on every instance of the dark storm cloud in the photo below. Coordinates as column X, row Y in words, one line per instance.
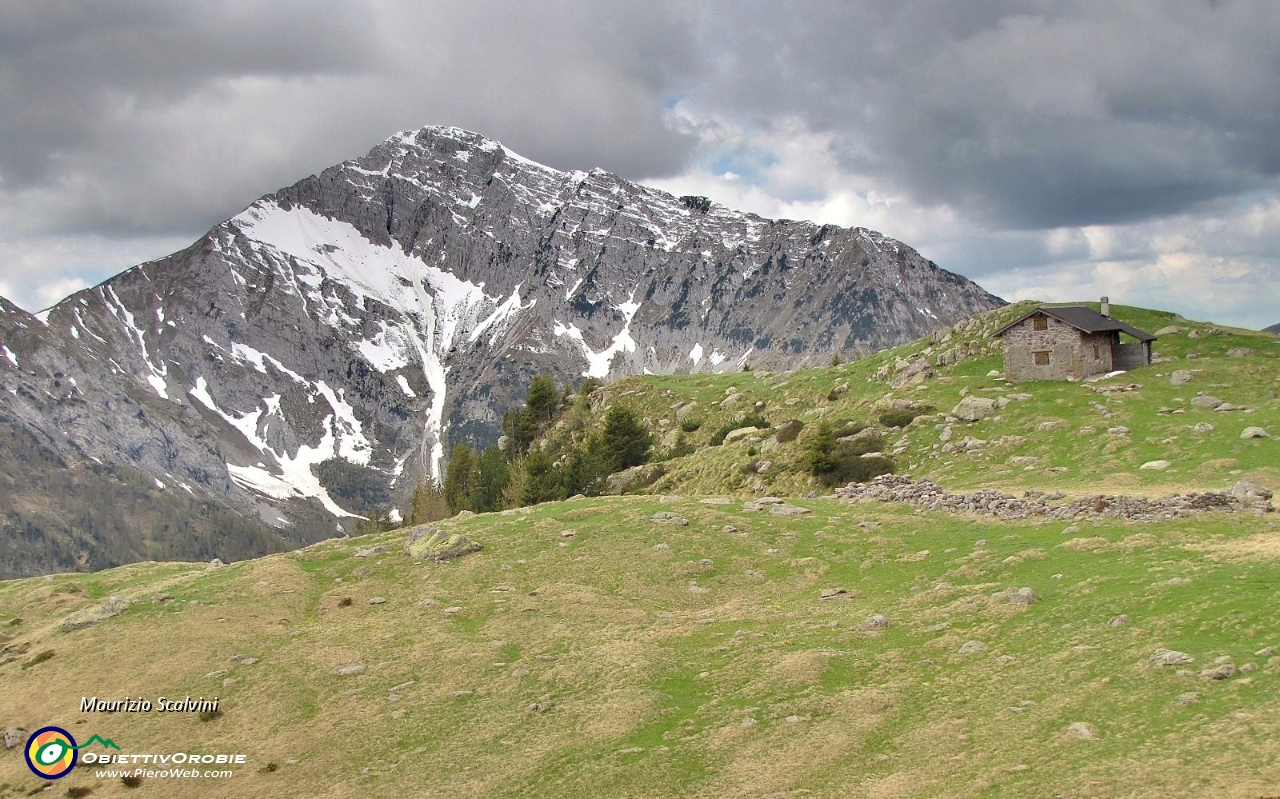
column 153, row 117
column 1027, row 114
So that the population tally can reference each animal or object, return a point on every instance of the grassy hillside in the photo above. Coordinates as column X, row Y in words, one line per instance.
column 589, row 650
column 687, row 661
column 1054, row 435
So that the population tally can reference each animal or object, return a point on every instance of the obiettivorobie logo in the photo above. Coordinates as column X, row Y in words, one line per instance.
column 52, row 751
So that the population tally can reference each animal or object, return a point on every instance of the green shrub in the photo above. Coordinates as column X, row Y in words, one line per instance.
column 867, row 441
column 901, row 417
column 836, row 462
column 690, row 425
column 38, row 659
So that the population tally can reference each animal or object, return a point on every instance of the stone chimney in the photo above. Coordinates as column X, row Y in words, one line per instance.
column 1106, row 307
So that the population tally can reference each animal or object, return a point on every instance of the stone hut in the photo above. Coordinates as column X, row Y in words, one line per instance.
column 1070, row 342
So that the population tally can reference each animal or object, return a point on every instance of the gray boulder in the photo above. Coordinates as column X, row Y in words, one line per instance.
column 113, row 606
column 972, row 409
column 1169, row 657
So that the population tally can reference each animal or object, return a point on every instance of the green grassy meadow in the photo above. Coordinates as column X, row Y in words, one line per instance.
column 588, row 651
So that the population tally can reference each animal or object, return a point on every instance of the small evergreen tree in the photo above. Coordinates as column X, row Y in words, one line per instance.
column 428, row 504
column 541, row 401
column 491, row 481
column 460, row 479
column 625, row 439
column 539, row 479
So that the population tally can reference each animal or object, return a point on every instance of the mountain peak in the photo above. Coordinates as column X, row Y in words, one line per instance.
column 314, row 358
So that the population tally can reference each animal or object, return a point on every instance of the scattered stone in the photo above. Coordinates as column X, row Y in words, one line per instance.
column 972, row 647
column 1249, row 493
column 243, row 660
column 1169, row 657
column 214, row 564
column 1083, row 730
column 972, row 409
column 1205, row 401
column 1023, row 596
column 113, row 606
column 797, row 719
column 728, row 528
column 1203, row 427
column 401, row 688
column 706, row 562
column 347, row 669
column 783, row 509
column 537, row 707
column 568, row 533
column 1254, row 432
column 740, row 434
column 1118, row 621
column 228, row 682
column 1223, row 672
column 835, row 593
column 377, row 600
column 520, row 673
column 1071, row 529
column 429, row 543
column 1189, row 698
column 370, row 552
column 668, row 518
column 14, row 736
column 1180, row 377
column 1155, row 466
column 362, row 571
column 463, row 694
column 1239, row 352
column 156, row 599
column 1265, row 652
column 216, row 675
column 662, row 547
column 453, row 611
column 875, row 622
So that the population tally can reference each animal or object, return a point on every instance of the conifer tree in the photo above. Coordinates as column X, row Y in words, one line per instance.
column 626, row 441
column 460, row 478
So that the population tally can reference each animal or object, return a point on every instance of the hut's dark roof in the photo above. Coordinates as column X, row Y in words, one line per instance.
column 1083, row 319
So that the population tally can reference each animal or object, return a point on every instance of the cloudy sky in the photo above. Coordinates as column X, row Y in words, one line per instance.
column 1051, row 150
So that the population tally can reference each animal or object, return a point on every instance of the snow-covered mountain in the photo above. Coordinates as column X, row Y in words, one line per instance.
column 314, row 356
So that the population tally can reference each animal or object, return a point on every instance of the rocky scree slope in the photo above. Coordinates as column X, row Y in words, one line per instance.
column 311, row 358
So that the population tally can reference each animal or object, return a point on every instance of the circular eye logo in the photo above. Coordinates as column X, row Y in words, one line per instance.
column 51, row 752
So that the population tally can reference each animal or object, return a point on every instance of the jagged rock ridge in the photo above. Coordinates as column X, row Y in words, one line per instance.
column 311, row 358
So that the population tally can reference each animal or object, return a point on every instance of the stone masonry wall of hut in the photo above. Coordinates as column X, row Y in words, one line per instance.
column 1059, row 340
column 1096, row 353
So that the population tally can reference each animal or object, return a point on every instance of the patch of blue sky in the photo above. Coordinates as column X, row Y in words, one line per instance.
column 748, row 164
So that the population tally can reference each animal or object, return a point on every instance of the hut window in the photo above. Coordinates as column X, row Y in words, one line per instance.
column 1041, row 357
column 1040, row 323
column 1097, row 352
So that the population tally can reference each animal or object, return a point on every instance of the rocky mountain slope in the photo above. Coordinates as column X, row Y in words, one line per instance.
column 312, row 357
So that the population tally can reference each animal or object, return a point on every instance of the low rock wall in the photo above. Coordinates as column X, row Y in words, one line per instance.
column 1037, row 504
